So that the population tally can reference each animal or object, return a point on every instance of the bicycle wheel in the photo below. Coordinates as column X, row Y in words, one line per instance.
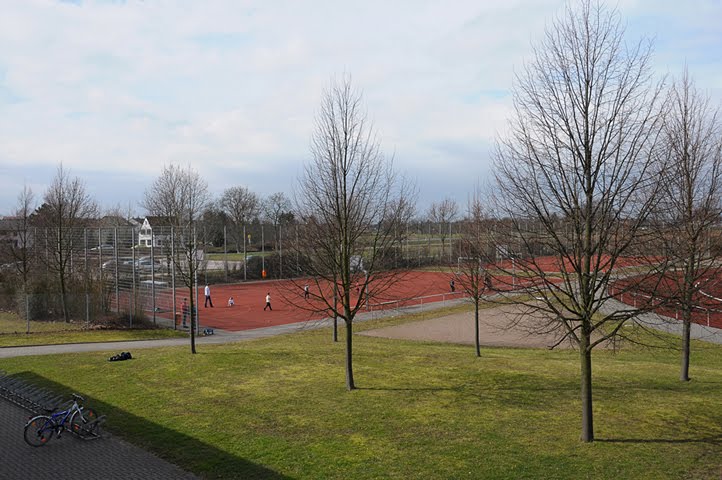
column 39, row 430
column 85, row 423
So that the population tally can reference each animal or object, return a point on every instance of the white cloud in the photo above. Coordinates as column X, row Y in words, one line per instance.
column 117, row 89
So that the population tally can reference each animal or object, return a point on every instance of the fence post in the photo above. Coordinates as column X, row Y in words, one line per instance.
column 245, row 256
column 280, row 253
column 132, row 291
column 708, row 318
column 172, row 275
column 263, row 252
column 152, row 273
column 451, row 242
column 225, row 253
column 87, row 310
column 27, row 312
column 195, row 274
column 117, row 286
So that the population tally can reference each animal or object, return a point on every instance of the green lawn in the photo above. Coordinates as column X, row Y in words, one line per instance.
column 277, row 408
column 236, row 257
column 13, row 328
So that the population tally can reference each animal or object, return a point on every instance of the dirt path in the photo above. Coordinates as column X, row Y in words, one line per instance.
column 459, row 328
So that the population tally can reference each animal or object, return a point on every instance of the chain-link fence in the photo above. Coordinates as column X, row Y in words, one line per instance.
column 139, row 275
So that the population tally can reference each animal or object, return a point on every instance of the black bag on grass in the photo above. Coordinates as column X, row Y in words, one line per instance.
column 121, row 356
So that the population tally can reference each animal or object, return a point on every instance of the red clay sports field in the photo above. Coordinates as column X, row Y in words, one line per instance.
column 413, row 288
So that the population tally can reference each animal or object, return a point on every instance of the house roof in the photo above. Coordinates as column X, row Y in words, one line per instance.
column 157, row 221
column 10, row 223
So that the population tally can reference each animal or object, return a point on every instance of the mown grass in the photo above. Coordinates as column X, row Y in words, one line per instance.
column 13, row 333
column 422, row 410
column 237, row 257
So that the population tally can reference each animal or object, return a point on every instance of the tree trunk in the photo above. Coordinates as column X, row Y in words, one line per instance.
column 476, row 326
column 586, row 378
column 64, row 299
column 193, row 308
column 684, row 373
column 350, row 385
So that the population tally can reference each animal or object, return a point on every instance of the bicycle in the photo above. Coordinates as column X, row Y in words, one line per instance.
column 83, row 422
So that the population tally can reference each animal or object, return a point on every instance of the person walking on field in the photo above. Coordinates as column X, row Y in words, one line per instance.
column 185, row 309
column 305, row 291
column 268, row 302
column 452, row 285
column 207, row 291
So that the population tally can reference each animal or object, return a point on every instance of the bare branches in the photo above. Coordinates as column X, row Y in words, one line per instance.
column 575, row 172
column 242, row 206
column 350, row 203
column 690, row 175
column 180, row 196
column 20, row 250
column 476, row 249
column 66, row 207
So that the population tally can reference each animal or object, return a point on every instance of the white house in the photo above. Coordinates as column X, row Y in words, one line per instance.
column 159, row 237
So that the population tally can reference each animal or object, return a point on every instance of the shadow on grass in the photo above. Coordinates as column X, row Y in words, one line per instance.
column 175, row 447
column 411, row 389
column 714, row 440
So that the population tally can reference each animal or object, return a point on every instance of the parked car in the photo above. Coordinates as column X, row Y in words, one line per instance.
column 143, row 264
column 103, row 248
column 125, row 263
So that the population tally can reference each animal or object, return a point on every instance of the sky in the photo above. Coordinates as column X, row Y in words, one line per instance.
column 115, row 90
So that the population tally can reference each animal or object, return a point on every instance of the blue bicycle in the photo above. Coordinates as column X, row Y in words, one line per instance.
column 83, row 422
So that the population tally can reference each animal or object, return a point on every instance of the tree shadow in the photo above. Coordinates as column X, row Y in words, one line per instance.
column 411, row 389
column 713, row 440
column 204, row 459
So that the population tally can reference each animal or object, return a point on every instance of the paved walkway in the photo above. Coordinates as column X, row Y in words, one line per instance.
column 72, row 458
column 652, row 320
column 669, row 325
column 220, row 336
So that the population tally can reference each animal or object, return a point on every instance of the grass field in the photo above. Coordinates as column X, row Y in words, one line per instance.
column 236, row 257
column 13, row 328
column 277, row 408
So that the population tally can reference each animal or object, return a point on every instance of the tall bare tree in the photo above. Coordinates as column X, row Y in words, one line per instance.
column 20, row 250
column 181, row 195
column 276, row 208
column 690, row 203
column 242, row 206
column 348, row 202
column 443, row 213
column 66, row 209
column 574, row 174
column 476, row 250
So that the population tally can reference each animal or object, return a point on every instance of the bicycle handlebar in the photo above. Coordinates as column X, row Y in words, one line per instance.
column 77, row 397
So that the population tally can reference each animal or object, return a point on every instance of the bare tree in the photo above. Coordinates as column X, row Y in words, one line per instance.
column 20, row 250
column 476, row 250
column 574, row 175
column 276, row 208
column 690, row 204
column 347, row 202
column 181, row 196
column 242, row 206
column 442, row 214
column 66, row 209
